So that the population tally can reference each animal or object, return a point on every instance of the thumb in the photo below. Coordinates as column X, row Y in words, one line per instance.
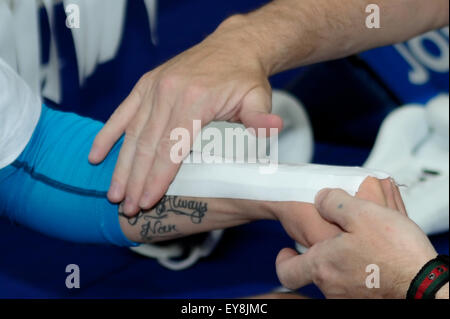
column 255, row 111
column 293, row 270
column 338, row 207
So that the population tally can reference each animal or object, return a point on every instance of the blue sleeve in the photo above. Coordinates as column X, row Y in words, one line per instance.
column 53, row 189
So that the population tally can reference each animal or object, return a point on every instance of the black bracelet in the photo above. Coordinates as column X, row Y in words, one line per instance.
column 430, row 279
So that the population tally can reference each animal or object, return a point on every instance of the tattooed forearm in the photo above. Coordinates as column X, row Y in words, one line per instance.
column 195, row 210
column 173, row 204
column 162, row 221
column 152, row 229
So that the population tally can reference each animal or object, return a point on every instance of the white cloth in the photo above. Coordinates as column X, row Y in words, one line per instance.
column 19, row 50
column 413, row 146
column 96, row 41
column 19, row 44
column 19, row 113
column 294, row 182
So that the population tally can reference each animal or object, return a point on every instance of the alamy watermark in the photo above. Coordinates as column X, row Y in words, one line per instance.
column 72, row 16
column 73, row 279
column 373, row 279
column 373, row 19
column 230, row 144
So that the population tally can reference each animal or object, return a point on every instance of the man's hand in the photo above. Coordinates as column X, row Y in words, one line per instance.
column 372, row 235
column 219, row 79
column 306, row 226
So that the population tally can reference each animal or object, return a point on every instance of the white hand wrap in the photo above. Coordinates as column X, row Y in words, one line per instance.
column 299, row 183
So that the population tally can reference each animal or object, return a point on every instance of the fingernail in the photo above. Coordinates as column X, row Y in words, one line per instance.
column 145, row 200
column 321, row 195
column 115, row 191
column 129, row 206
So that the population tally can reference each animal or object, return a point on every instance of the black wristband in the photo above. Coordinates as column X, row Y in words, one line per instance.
column 430, row 279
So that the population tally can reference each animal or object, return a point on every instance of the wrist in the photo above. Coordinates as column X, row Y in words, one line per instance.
column 405, row 273
column 261, row 210
column 245, row 210
column 241, row 36
column 431, row 281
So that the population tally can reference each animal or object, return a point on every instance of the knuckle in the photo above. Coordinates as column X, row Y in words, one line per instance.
column 167, row 83
column 319, row 274
column 131, row 134
column 145, row 79
column 310, row 238
column 330, row 198
column 313, row 252
column 142, row 84
column 143, row 148
column 164, row 147
column 366, row 208
column 193, row 93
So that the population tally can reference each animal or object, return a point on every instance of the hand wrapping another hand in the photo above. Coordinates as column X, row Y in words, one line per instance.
column 373, row 233
column 219, row 79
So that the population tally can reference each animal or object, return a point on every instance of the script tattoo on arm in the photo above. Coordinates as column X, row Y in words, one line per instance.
column 154, row 223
